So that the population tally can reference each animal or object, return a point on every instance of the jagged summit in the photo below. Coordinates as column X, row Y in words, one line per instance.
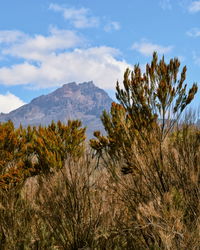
column 83, row 84
column 83, row 101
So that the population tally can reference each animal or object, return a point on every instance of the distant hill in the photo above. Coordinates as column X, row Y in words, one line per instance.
column 83, row 101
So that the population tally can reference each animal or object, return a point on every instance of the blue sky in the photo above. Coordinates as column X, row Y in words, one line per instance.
column 44, row 43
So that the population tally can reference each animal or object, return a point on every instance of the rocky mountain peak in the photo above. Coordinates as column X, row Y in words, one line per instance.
column 83, row 101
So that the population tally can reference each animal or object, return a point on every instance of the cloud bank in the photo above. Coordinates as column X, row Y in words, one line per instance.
column 59, row 57
column 9, row 102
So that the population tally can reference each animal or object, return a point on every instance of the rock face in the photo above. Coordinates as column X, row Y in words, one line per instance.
column 82, row 101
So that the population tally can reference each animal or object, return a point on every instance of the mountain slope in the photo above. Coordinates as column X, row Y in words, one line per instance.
column 82, row 101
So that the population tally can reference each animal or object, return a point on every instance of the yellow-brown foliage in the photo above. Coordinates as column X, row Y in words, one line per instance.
column 31, row 151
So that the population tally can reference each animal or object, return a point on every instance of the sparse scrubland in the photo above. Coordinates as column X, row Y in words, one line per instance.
column 136, row 187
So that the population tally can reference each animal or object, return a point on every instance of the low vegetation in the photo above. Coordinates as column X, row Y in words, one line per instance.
column 137, row 187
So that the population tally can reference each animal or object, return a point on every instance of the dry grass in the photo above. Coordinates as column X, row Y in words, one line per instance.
column 85, row 207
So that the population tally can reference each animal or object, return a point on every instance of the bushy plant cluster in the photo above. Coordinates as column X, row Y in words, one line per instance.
column 137, row 187
column 30, row 151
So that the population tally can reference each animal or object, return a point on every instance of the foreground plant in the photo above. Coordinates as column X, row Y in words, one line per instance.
column 162, row 191
column 32, row 151
column 150, row 104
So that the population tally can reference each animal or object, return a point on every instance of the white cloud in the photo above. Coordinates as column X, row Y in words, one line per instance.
column 194, row 7
column 165, row 4
column 147, row 48
column 98, row 64
column 112, row 26
column 194, row 32
column 55, row 59
column 34, row 48
column 18, row 74
column 9, row 102
column 79, row 18
column 11, row 36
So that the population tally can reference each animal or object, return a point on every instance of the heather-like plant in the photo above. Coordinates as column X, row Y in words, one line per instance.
column 150, row 104
column 161, row 192
column 31, row 151
column 55, row 143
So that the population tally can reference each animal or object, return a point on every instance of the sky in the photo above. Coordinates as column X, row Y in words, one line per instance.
column 45, row 43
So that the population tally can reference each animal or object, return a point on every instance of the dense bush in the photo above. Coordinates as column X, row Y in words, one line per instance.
column 31, row 151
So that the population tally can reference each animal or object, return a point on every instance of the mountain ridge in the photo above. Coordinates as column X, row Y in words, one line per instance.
column 83, row 101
